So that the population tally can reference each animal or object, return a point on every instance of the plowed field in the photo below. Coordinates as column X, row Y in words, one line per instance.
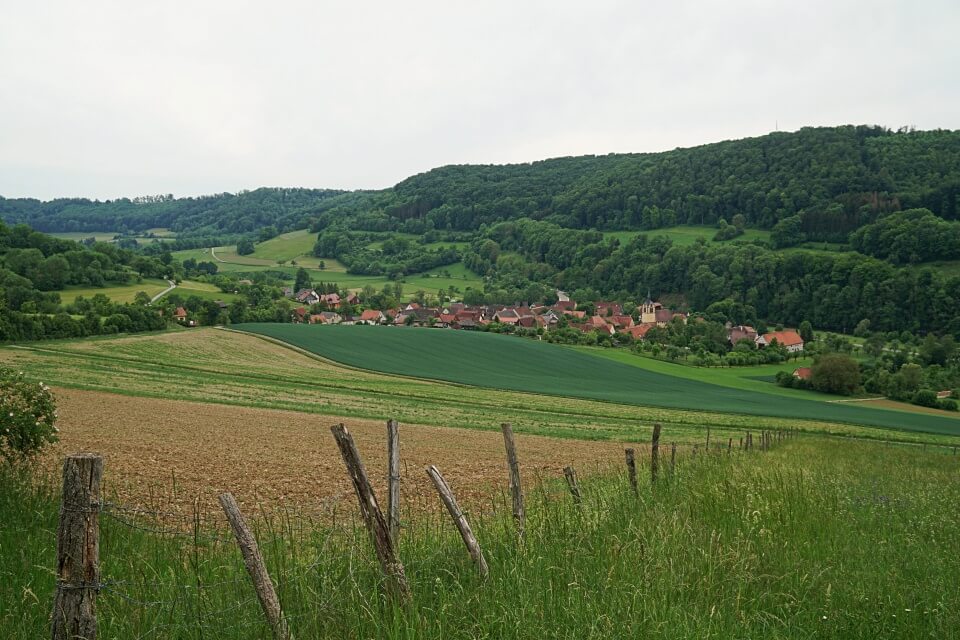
column 162, row 454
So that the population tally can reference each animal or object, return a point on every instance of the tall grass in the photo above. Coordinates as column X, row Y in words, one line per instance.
column 813, row 539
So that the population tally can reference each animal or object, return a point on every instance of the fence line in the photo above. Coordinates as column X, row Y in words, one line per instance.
column 191, row 596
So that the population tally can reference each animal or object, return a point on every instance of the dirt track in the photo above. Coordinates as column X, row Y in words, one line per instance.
column 166, row 453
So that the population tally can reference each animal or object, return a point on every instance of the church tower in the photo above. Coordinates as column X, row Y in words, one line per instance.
column 648, row 311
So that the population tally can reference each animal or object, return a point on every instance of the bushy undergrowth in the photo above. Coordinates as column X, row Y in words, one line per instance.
column 816, row 538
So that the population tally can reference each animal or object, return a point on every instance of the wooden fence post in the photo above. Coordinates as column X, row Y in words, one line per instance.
column 655, row 453
column 673, row 456
column 393, row 479
column 516, row 489
column 78, row 550
column 708, row 438
column 729, row 446
column 571, row 477
column 459, row 520
column 372, row 516
column 749, row 441
column 256, row 568
column 631, row 468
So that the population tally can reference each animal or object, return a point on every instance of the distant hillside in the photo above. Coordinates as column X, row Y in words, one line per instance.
column 211, row 215
column 834, row 179
column 824, row 182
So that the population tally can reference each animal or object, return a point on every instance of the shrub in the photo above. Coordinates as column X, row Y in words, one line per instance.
column 836, row 373
column 925, row 398
column 27, row 416
column 948, row 404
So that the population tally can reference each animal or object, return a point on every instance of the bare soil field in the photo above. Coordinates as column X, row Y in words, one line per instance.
column 164, row 454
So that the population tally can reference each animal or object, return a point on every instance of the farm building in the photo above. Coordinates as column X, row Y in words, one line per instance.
column 789, row 339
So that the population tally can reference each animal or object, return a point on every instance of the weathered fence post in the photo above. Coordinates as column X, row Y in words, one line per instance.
column 708, row 438
column 516, row 489
column 655, row 453
column 372, row 516
column 459, row 520
column 256, row 568
column 673, row 456
column 393, row 479
column 571, row 477
column 631, row 468
column 749, row 441
column 78, row 550
column 741, row 443
column 729, row 446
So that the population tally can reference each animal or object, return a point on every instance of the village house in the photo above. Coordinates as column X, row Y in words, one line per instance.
column 180, row 315
column 299, row 314
column 791, row 340
column 655, row 313
column 326, row 317
column 372, row 316
column 352, row 298
column 741, row 332
column 308, row 296
column 332, row 300
column 803, row 373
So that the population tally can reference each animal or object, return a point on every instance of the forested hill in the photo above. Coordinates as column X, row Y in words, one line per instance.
column 837, row 178
column 824, row 182
column 212, row 215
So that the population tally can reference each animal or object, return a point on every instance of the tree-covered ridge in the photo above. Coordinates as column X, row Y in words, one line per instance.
column 836, row 179
column 833, row 180
column 219, row 214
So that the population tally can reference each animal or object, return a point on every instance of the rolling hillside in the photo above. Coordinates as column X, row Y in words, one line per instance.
column 503, row 362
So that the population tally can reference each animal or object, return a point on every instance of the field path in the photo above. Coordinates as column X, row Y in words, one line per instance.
column 173, row 285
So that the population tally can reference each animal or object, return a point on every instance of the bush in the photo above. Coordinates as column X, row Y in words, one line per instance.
column 947, row 404
column 27, row 416
column 925, row 398
column 836, row 373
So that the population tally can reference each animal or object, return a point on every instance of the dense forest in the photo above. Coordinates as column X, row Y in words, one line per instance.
column 214, row 215
column 830, row 181
column 34, row 267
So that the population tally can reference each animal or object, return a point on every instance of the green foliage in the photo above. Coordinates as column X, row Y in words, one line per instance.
column 245, row 247
column 27, row 416
column 836, row 373
column 909, row 237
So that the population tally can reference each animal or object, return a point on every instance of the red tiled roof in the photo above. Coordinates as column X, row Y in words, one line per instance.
column 804, row 373
column 370, row 314
column 785, row 338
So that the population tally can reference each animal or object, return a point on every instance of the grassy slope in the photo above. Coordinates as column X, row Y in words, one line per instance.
column 117, row 293
column 489, row 360
column 207, row 365
column 812, row 540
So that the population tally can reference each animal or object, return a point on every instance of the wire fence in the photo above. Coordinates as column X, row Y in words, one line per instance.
column 202, row 599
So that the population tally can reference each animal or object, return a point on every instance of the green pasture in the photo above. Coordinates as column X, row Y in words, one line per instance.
column 117, row 293
column 77, row 236
column 505, row 362
column 286, row 246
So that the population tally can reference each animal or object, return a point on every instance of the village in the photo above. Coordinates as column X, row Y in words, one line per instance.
column 600, row 317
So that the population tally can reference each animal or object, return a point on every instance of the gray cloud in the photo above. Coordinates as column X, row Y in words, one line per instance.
column 104, row 99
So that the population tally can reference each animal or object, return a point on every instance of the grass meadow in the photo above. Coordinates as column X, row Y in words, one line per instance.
column 117, row 293
column 813, row 539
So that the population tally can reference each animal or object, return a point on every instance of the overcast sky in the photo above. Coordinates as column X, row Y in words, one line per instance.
column 107, row 99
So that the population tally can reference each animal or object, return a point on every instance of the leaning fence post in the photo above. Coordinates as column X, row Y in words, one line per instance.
column 372, row 516
column 571, row 477
column 655, row 452
column 631, row 468
column 256, row 568
column 78, row 549
column 460, row 520
column 516, row 490
column 393, row 479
